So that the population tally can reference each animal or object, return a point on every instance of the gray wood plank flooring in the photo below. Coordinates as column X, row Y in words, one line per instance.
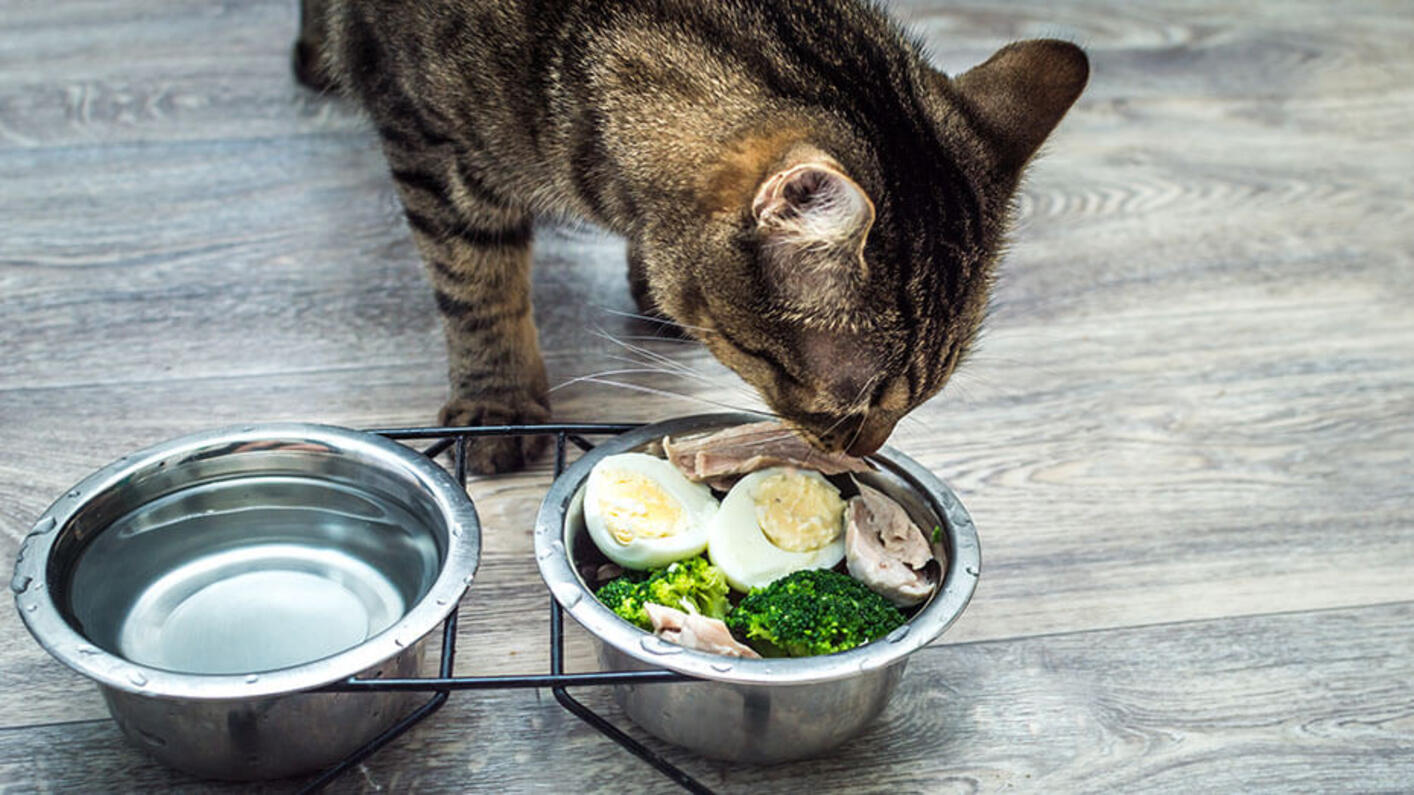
column 1186, row 439
column 1307, row 702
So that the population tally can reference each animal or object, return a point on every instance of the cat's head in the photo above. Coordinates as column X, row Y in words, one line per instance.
column 848, row 266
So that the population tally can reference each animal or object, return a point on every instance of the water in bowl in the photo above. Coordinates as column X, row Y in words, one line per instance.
column 251, row 575
column 258, row 608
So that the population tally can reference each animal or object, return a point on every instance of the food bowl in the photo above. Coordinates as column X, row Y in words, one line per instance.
column 206, row 583
column 757, row 711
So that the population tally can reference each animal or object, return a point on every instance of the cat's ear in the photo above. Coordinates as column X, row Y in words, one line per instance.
column 813, row 221
column 1022, row 92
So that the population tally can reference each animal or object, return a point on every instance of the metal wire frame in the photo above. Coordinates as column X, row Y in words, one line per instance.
column 559, row 682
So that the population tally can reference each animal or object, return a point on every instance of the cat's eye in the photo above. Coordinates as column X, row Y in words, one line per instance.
column 763, row 357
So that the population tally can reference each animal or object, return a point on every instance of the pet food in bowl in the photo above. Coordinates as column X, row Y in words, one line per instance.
column 797, row 541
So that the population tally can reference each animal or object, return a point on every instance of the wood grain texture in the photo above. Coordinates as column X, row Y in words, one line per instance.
column 1308, row 702
column 1195, row 401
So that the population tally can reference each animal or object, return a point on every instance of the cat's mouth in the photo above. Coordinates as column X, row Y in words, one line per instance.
column 858, row 435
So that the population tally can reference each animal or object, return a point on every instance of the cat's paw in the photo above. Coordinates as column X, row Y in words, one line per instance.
column 495, row 454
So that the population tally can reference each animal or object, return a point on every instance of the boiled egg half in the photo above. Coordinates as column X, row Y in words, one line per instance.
column 643, row 513
column 774, row 522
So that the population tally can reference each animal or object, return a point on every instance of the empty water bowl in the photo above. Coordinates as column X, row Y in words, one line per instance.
column 205, row 583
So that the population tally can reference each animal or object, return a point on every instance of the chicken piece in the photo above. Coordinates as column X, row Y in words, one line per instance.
column 719, row 459
column 693, row 631
column 885, row 550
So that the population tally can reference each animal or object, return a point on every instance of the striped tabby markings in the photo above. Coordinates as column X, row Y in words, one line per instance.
column 515, row 235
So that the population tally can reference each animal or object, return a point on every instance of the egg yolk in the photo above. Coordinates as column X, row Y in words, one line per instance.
column 634, row 506
column 798, row 513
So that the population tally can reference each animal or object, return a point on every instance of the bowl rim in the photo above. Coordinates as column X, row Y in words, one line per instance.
column 47, row 624
column 552, row 556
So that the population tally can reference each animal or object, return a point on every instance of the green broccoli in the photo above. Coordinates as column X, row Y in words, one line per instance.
column 810, row 612
column 624, row 596
column 692, row 586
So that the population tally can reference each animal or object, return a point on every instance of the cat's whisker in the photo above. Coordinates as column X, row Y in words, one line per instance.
column 917, row 423
column 664, row 361
column 664, row 366
column 837, row 423
column 627, row 342
column 646, row 361
column 654, row 359
column 650, row 338
column 591, row 377
column 677, row 366
column 649, row 368
column 858, row 429
column 867, row 387
column 673, row 369
column 650, row 361
column 679, row 395
column 830, row 429
column 638, row 349
column 960, row 389
column 964, row 380
column 659, row 320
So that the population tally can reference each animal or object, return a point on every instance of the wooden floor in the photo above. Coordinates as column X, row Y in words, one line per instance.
column 1186, row 441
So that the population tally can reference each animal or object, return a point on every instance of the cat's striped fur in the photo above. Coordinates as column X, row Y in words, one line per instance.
column 798, row 187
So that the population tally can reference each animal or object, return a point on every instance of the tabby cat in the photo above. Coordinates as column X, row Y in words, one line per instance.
column 799, row 189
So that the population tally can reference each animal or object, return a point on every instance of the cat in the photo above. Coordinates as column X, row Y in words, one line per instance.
column 799, row 189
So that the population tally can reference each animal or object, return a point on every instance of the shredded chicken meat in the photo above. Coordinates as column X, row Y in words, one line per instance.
column 693, row 631
column 720, row 458
column 885, row 550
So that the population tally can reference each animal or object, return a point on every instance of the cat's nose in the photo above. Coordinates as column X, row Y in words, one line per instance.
column 858, row 435
column 871, row 435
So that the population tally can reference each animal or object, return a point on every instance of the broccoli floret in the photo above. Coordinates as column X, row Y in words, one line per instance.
column 810, row 612
column 624, row 596
column 691, row 585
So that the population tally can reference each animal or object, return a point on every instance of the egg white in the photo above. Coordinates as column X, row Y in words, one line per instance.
column 737, row 545
column 694, row 500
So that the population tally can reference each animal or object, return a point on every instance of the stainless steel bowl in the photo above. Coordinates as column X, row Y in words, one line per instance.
column 207, row 582
column 759, row 711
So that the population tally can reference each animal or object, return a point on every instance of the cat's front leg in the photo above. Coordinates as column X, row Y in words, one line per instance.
column 477, row 255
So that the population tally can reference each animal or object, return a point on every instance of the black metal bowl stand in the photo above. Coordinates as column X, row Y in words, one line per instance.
column 559, row 682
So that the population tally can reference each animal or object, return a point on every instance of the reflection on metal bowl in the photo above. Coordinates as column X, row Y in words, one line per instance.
column 208, row 581
column 758, row 711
